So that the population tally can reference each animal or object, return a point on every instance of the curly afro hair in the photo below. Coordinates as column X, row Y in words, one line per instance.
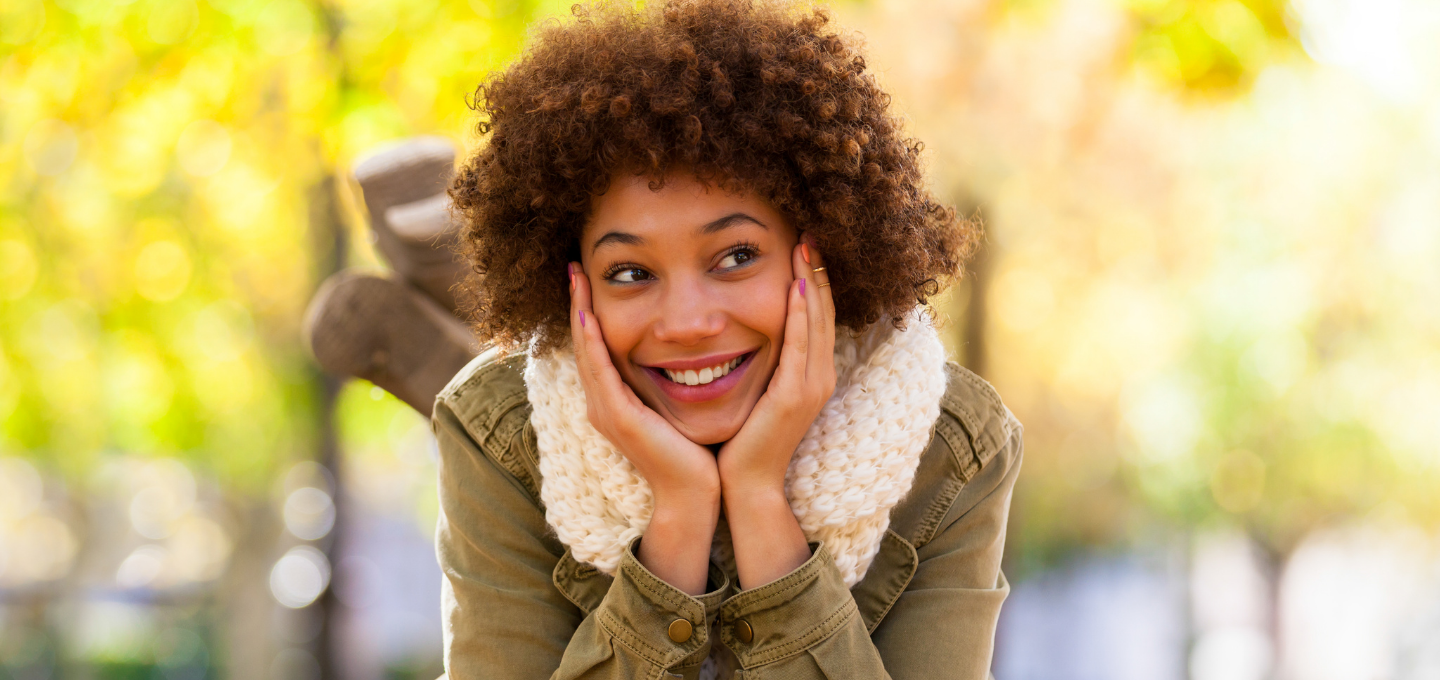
column 745, row 95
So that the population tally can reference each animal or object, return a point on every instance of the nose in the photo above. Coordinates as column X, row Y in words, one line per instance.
column 686, row 315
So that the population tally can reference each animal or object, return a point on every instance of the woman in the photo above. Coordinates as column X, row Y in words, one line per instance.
column 733, row 446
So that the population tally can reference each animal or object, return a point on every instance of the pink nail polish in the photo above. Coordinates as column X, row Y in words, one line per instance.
column 802, row 286
column 570, row 267
column 582, row 318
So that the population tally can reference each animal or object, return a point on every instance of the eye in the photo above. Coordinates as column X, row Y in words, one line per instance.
column 628, row 275
column 736, row 258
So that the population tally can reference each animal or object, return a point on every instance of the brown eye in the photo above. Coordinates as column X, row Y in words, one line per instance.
column 736, row 259
column 629, row 275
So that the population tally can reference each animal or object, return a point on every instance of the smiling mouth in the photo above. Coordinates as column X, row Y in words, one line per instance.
column 703, row 376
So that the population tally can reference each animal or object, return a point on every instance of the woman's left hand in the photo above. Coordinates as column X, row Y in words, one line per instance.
column 757, row 457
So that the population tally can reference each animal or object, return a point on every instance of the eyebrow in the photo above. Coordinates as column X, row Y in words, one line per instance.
column 731, row 220
column 617, row 237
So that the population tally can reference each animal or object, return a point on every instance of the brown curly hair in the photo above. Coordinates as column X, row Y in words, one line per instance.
column 746, row 95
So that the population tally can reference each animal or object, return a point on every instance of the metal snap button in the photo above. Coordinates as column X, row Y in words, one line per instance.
column 743, row 631
column 680, row 630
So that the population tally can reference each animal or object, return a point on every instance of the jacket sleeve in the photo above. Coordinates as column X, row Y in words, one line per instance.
column 806, row 625
column 503, row 616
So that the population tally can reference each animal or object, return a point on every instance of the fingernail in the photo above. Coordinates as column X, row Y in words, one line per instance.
column 582, row 318
column 570, row 267
column 802, row 286
column 805, row 253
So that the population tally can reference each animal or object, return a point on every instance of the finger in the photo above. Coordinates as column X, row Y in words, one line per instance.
column 591, row 354
column 820, row 278
column 795, row 349
column 586, row 329
column 579, row 311
column 581, row 318
column 821, row 320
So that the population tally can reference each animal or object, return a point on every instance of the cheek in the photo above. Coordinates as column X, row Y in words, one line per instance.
column 622, row 323
column 761, row 305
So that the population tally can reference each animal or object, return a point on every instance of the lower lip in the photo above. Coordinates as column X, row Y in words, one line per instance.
column 694, row 393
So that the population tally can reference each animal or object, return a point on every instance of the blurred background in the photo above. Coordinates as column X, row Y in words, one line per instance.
column 1209, row 289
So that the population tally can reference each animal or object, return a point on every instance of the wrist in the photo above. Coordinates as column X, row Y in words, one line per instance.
column 753, row 485
column 767, row 537
column 754, row 498
column 693, row 484
column 676, row 545
column 696, row 500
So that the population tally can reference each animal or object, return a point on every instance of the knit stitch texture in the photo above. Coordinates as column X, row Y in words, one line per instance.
column 856, row 462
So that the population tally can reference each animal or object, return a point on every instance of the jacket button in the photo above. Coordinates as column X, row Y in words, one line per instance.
column 680, row 630
column 743, row 631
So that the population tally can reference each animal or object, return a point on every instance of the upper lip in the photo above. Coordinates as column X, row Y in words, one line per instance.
column 699, row 362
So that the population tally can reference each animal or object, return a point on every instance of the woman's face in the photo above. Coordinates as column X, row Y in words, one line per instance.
column 690, row 286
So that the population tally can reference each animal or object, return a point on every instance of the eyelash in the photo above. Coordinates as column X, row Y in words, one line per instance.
column 742, row 247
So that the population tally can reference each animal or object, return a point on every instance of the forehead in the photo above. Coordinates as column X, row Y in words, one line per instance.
column 682, row 206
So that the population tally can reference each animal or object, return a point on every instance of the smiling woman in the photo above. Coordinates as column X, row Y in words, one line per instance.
column 708, row 461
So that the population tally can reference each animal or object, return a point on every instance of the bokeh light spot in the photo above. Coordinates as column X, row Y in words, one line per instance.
column 114, row 630
column 299, row 577
column 1164, row 418
column 204, row 148
column 307, row 473
column 40, row 548
column 199, row 548
column 166, row 492
column 142, row 567
column 137, row 386
column 82, row 202
column 51, row 146
column 162, row 271
column 223, row 331
column 309, row 513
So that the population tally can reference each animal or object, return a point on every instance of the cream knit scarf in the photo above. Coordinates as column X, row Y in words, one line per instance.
column 855, row 463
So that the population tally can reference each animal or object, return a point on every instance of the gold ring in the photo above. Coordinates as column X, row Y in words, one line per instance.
column 823, row 284
column 818, row 269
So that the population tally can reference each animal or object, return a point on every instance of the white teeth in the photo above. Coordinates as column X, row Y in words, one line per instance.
column 704, row 376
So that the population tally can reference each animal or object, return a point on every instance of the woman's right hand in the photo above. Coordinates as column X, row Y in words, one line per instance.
column 673, row 465
column 683, row 476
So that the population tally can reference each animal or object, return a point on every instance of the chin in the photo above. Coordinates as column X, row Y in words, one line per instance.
column 709, row 431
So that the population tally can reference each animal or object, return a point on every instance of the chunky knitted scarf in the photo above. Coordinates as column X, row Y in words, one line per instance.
column 855, row 463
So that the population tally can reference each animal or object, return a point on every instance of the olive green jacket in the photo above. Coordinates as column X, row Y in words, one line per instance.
column 517, row 605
